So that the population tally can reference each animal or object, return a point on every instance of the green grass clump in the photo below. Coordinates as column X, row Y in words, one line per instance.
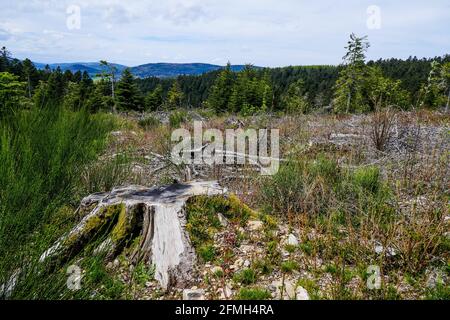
column 440, row 292
column 368, row 179
column 149, row 122
column 207, row 252
column 315, row 186
column 246, row 276
column 176, row 118
column 253, row 294
column 143, row 273
column 289, row 266
column 203, row 221
column 264, row 266
column 106, row 174
column 286, row 192
column 96, row 276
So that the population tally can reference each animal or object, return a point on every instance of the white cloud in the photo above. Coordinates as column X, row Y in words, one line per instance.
column 264, row 32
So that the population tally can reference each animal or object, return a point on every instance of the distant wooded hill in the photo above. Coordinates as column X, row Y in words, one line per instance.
column 159, row 70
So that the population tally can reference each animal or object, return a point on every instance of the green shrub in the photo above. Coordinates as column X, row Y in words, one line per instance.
column 440, row 292
column 253, row 294
column 264, row 266
column 368, row 179
column 280, row 193
column 316, row 186
column 246, row 276
column 143, row 273
column 289, row 266
column 203, row 220
column 331, row 268
column 207, row 253
column 272, row 251
column 103, row 175
column 149, row 122
column 306, row 247
column 290, row 248
column 300, row 186
column 176, row 118
column 311, row 287
column 98, row 277
column 41, row 154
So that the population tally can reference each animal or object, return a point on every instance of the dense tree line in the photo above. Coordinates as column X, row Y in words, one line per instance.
column 305, row 88
column 413, row 72
column 353, row 86
column 316, row 84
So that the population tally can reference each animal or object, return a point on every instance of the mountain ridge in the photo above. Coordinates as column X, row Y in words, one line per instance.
column 158, row 70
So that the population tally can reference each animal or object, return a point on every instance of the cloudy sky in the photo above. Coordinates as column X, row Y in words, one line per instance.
column 262, row 32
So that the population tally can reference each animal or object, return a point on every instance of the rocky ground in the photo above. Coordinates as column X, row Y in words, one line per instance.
column 271, row 257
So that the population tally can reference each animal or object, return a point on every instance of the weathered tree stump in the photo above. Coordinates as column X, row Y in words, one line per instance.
column 156, row 215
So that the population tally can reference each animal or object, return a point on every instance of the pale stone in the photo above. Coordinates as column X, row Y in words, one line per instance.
column 379, row 249
column 302, row 294
column 217, row 270
column 238, row 264
column 255, row 225
column 292, row 240
column 223, row 220
column 197, row 294
column 225, row 294
column 289, row 288
column 390, row 252
column 288, row 292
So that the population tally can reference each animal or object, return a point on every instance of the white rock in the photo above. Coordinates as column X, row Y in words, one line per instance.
column 225, row 294
column 379, row 249
column 288, row 289
column 189, row 294
column 390, row 252
column 272, row 287
column 238, row 263
column 292, row 240
column 7, row 289
column 246, row 263
column 255, row 225
column 302, row 294
column 216, row 270
column 246, row 248
column 223, row 220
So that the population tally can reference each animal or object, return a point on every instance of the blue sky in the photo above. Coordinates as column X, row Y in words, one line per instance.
column 262, row 32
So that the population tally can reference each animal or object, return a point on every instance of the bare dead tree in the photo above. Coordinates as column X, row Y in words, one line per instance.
column 381, row 124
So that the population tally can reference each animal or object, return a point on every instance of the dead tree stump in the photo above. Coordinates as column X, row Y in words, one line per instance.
column 156, row 215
